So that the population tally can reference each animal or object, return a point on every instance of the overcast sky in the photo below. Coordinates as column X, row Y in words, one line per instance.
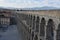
column 29, row 3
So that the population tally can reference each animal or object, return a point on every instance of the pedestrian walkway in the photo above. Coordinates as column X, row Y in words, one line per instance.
column 11, row 34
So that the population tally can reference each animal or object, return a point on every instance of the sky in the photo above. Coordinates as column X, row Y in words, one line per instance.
column 29, row 3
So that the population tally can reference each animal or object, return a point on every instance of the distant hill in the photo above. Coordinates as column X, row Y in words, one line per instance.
column 41, row 8
column 7, row 8
column 34, row 8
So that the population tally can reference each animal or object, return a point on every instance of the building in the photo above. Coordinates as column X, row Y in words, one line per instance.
column 4, row 20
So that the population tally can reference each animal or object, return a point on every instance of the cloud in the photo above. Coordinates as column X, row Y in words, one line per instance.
column 22, row 3
column 29, row 3
column 54, row 3
column 10, row 1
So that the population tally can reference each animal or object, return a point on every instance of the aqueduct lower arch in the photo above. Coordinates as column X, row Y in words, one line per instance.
column 58, row 33
column 42, row 27
column 33, row 22
column 37, row 24
column 49, row 30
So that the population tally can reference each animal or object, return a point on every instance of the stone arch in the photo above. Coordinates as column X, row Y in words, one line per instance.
column 30, row 16
column 27, row 19
column 30, row 20
column 36, row 37
column 26, row 16
column 58, row 33
column 37, row 24
column 42, row 27
column 33, row 22
column 49, row 30
column 32, row 35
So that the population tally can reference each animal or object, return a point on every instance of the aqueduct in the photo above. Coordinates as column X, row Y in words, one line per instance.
column 40, row 24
